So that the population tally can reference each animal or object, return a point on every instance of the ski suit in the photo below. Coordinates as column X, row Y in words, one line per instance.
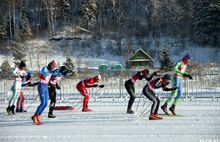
column 82, row 88
column 43, row 88
column 18, row 73
column 52, row 91
column 25, row 82
column 180, row 70
column 149, row 92
column 129, row 85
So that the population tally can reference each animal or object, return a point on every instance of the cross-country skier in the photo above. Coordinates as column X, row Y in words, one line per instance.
column 82, row 88
column 180, row 73
column 18, row 73
column 148, row 91
column 53, row 85
column 45, row 75
column 26, row 81
column 129, row 85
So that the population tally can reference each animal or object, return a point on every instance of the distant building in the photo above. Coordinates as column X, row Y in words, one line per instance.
column 140, row 60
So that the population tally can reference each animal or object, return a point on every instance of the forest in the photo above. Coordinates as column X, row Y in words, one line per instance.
column 198, row 20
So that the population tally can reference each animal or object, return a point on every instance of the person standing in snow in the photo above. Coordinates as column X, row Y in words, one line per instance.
column 129, row 85
column 26, row 81
column 45, row 75
column 82, row 88
column 148, row 91
column 18, row 73
column 180, row 73
column 53, row 85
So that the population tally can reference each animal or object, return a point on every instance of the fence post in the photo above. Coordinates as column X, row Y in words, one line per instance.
column 5, row 94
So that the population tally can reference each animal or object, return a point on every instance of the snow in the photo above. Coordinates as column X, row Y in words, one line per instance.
column 197, row 121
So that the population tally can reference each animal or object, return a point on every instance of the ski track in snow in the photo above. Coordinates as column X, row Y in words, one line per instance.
column 197, row 121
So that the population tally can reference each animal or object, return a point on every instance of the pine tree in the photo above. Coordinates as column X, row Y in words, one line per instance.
column 2, row 28
column 71, row 66
column 206, row 22
column 88, row 9
column 6, row 69
column 165, row 62
column 18, row 52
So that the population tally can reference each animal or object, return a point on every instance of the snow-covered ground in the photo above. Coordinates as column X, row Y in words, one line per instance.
column 197, row 121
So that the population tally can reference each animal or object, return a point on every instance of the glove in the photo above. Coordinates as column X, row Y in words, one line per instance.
column 189, row 76
column 154, row 74
column 101, row 86
column 185, row 75
column 95, row 85
column 57, row 86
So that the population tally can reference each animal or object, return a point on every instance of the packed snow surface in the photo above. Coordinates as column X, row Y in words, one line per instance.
column 197, row 121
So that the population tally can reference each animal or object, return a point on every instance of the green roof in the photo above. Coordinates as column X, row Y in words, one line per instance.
column 117, row 67
column 103, row 67
column 140, row 55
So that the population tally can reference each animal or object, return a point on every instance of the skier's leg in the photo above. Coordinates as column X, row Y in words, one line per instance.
column 15, row 96
column 84, row 92
column 176, row 99
column 22, row 101
column 52, row 95
column 131, row 91
column 172, row 95
column 179, row 93
column 158, row 104
column 43, row 93
column 19, row 103
column 151, row 96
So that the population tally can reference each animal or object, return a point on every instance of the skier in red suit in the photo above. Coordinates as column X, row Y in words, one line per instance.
column 82, row 88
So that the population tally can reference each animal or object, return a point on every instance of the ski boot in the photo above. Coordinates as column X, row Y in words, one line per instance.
column 164, row 108
column 86, row 110
column 158, row 117
column 12, row 108
column 22, row 110
column 130, row 111
column 8, row 109
column 172, row 109
column 153, row 117
column 36, row 119
column 50, row 115
column 17, row 110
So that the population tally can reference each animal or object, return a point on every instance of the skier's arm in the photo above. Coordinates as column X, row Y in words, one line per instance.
column 33, row 84
column 149, row 78
column 168, row 89
column 16, row 72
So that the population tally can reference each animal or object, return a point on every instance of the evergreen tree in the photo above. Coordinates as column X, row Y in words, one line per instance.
column 63, row 10
column 71, row 66
column 206, row 22
column 2, row 28
column 165, row 62
column 6, row 69
column 18, row 52
column 25, row 31
column 88, row 9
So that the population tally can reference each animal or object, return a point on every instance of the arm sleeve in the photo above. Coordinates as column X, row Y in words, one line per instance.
column 45, row 72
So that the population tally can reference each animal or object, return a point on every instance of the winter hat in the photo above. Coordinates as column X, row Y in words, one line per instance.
column 145, row 71
column 187, row 56
column 52, row 65
column 22, row 64
column 167, row 77
column 98, row 77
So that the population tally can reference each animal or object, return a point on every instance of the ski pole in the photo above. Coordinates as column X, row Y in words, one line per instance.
column 143, row 112
column 138, row 101
column 32, row 102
